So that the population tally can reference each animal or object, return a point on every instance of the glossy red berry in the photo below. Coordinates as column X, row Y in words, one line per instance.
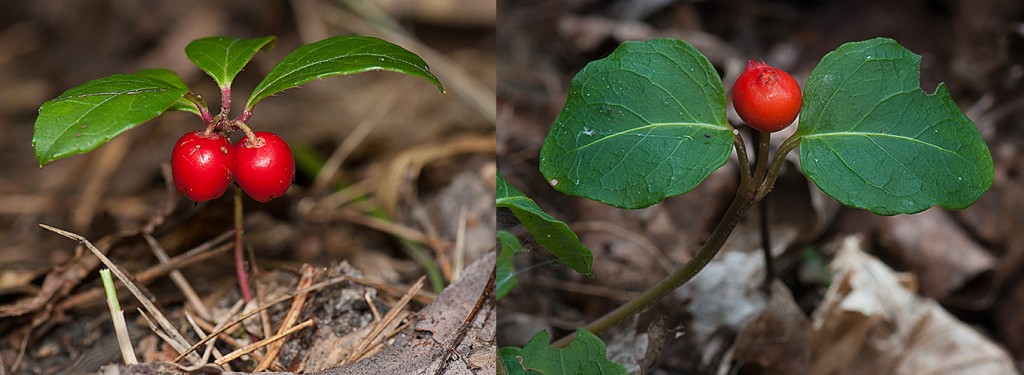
column 266, row 169
column 766, row 98
column 202, row 164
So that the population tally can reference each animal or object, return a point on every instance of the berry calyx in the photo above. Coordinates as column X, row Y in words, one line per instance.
column 265, row 168
column 202, row 165
column 766, row 98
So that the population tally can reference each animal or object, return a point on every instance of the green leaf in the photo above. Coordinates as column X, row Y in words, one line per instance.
column 585, row 355
column 872, row 138
column 339, row 55
column 506, row 272
column 510, row 361
column 169, row 76
column 551, row 233
column 87, row 116
column 222, row 57
column 645, row 123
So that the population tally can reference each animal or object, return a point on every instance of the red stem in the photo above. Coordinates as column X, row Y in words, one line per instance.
column 240, row 271
column 244, row 117
column 225, row 101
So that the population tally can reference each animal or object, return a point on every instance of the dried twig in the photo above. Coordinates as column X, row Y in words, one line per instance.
column 421, row 296
column 176, row 340
column 239, row 319
column 197, row 254
column 373, row 308
column 366, row 344
column 308, row 274
column 261, row 294
column 251, row 347
column 211, row 347
column 453, row 341
column 389, row 227
column 459, row 253
column 178, row 278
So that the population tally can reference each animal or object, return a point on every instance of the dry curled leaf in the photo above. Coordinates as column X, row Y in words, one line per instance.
column 871, row 323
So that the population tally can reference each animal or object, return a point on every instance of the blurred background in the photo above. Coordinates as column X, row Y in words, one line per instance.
column 413, row 165
column 969, row 262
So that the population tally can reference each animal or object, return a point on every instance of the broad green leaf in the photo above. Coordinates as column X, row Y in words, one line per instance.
column 169, row 76
column 645, row 123
column 339, row 55
column 87, row 116
column 510, row 361
column 222, row 57
column 505, row 270
column 585, row 355
column 551, row 233
column 872, row 138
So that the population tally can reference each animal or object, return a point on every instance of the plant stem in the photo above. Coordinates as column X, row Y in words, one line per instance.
column 766, row 246
column 773, row 172
column 201, row 106
column 245, row 129
column 764, row 140
column 243, row 275
column 737, row 209
column 741, row 156
column 244, row 117
column 751, row 190
column 225, row 102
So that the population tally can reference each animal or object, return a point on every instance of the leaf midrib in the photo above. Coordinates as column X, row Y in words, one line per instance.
column 880, row 135
column 355, row 52
column 649, row 126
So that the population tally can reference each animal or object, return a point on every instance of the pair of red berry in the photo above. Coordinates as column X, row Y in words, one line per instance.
column 203, row 165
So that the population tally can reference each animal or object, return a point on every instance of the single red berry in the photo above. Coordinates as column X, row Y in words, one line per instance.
column 202, row 164
column 768, row 99
column 265, row 169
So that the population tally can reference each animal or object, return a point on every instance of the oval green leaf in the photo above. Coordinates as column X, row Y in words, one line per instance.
column 551, row 233
column 87, row 116
column 339, row 55
column 169, row 76
column 505, row 271
column 222, row 57
column 645, row 123
column 587, row 354
column 872, row 138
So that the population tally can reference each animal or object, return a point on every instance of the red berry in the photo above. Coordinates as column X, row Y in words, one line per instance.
column 768, row 99
column 201, row 165
column 265, row 170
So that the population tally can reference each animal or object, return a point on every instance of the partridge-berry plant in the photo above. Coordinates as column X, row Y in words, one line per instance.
column 649, row 122
column 204, row 162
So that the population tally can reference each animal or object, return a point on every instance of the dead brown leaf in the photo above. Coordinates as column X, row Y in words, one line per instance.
column 871, row 323
column 776, row 341
column 420, row 345
column 936, row 249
